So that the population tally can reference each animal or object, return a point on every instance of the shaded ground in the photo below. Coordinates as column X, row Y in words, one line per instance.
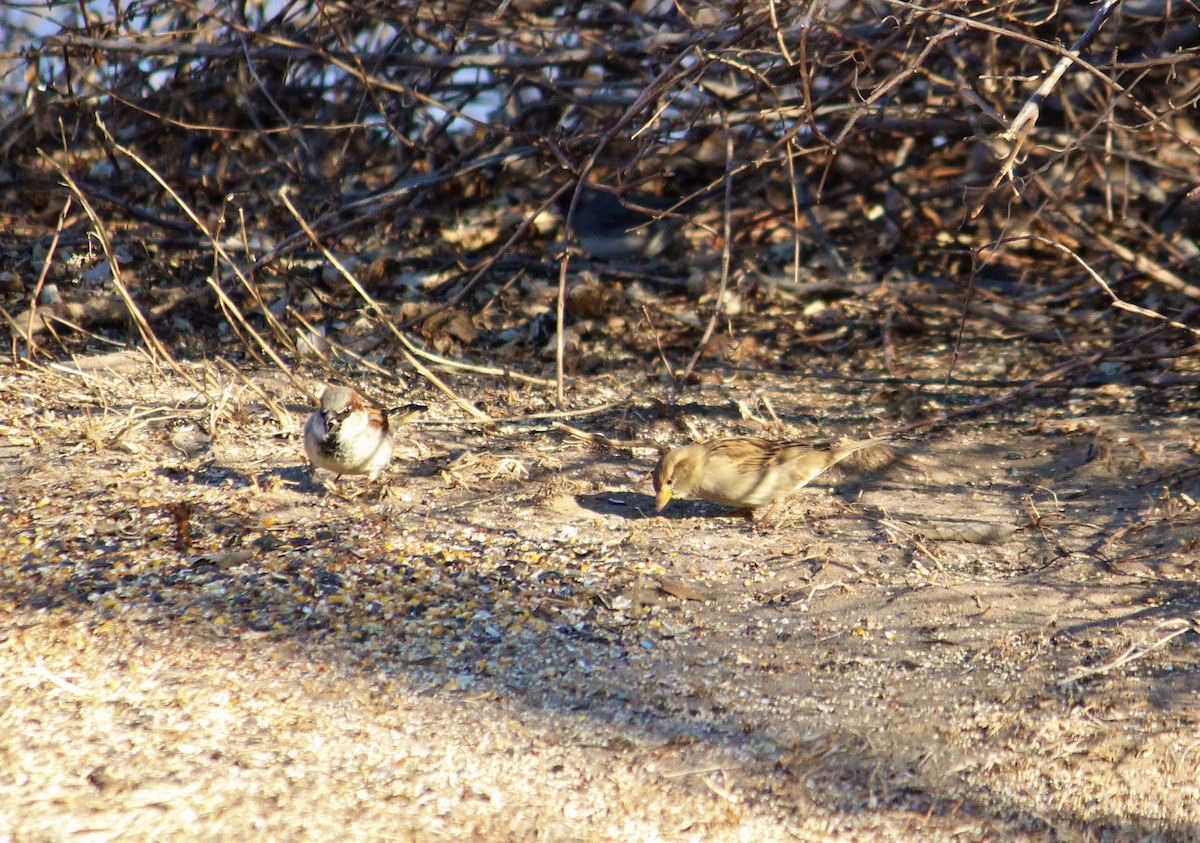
column 200, row 640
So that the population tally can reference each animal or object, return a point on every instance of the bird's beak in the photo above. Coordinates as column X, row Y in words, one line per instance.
column 662, row 498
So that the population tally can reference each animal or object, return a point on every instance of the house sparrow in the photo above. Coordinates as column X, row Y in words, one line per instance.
column 744, row 471
column 347, row 435
column 610, row 228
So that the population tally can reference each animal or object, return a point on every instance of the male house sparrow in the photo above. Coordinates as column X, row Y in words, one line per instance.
column 744, row 471
column 347, row 435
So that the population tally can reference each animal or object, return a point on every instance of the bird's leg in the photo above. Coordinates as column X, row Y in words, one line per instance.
column 335, row 488
column 766, row 519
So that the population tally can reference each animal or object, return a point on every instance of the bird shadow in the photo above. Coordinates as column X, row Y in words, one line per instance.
column 631, row 506
column 635, row 506
column 301, row 478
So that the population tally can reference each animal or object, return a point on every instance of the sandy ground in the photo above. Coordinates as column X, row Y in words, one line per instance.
column 507, row 643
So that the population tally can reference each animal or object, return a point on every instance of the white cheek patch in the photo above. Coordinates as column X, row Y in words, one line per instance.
column 351, row 424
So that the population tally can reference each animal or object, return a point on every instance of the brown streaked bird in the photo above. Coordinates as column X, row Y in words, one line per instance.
column 349, row 435
column 745, row 471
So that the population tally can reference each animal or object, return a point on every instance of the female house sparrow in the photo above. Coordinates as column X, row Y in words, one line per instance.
column 347, row 435
column 744, row 471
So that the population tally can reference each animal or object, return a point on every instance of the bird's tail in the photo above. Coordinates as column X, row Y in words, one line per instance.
column 405, row 412
column 849, row 448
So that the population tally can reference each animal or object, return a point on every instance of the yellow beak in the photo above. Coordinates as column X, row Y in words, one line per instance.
column 662, row 498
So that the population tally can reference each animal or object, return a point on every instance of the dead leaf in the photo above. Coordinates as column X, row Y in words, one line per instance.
column 684, row 590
